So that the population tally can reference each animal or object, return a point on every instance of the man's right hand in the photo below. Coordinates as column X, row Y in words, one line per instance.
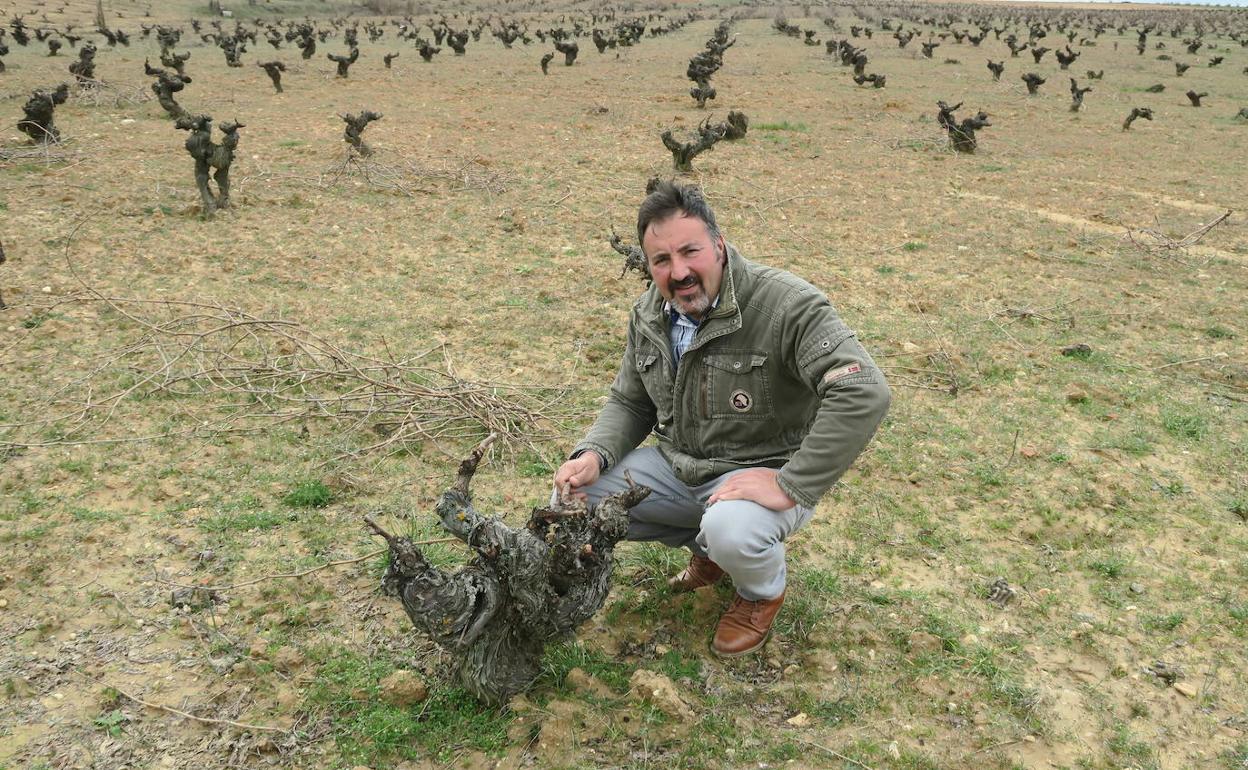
column 578, row 473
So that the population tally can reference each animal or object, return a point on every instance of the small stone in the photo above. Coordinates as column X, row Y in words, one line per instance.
column 791, row 669
column 1078, row 350
column 4, row 603
column 801, row 719
column 259, row 646
column 1076, row 397
column 1185, row 689
column 1029, row 739
column 951, row 707
column 403, row 688
column 1136, row 588
column 46, row 290
column 893, row 750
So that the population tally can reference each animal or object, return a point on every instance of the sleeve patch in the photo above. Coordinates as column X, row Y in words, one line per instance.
column 845, row 371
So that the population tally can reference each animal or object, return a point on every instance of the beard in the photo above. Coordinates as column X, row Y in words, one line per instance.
column 695, row 306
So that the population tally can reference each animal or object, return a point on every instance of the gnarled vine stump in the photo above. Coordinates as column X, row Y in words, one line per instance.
column 523, row 588
column 683, row 153
column 209, row 155
column 39, row 108
column 1137, row 112
column 353, row 134
column 274, row 70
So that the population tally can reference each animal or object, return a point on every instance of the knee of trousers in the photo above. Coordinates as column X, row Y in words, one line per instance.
column 731, row 533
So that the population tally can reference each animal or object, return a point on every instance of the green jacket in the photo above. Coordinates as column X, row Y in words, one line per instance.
column 773, row 378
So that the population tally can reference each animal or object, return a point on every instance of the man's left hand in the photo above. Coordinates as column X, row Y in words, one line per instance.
column 757, row 485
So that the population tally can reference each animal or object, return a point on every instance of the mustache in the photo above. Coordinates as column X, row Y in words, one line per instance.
column 685, row 284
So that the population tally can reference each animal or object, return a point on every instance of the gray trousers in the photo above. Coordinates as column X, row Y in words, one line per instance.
column 744, row 538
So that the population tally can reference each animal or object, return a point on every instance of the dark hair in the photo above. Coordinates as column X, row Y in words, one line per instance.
column 668, row 198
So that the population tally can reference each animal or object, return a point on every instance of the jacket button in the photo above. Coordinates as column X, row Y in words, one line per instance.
column 736, row 364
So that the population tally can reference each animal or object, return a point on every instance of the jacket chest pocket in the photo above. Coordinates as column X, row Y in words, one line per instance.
column 652, row 370
column 736, row 385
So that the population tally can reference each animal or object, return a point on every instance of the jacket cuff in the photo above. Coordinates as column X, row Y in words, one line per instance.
column 608, row 459
column 800, row 497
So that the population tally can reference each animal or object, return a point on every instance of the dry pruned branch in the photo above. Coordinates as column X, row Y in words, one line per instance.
column 104, row 94
column 1156, row 243
column 224, row 370
column 387, row 172
column 46, row 152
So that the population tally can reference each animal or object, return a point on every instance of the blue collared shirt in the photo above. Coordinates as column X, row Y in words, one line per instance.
column 682, row 330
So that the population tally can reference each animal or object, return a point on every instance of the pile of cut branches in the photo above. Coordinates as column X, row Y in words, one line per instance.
column 223, row 370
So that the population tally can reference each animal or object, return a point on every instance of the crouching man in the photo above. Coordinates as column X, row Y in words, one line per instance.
column 760, row 398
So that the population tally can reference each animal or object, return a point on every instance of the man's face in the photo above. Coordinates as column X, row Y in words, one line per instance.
column 687, row 265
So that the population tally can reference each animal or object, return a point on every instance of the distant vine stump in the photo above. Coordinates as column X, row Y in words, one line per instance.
column 683, row 153
column 996, row 68
column 737, row 126
column 208, row 156
column 876, row 81
column 274, row 69
column 963, row 135
column 83, row 69
column 944, row 115
column 1195, row 98
column 702, row 92
column 389, row 58
column 523, row 589
column 1242, row 114
column 569, row 50
column 1033, row 82
column 546, row 63
column 1137, row 112
column 344, row 62
column 38, row 123
column 634, row 257
column 1076, row 95
column 353, row 134
column 1156, row 88
column 165, row 87
column 427, row 51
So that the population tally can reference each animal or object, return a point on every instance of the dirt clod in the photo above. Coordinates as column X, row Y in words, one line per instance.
column 403, row 688
column 656, row 689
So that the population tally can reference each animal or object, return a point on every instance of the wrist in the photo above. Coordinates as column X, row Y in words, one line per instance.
column 602, row 463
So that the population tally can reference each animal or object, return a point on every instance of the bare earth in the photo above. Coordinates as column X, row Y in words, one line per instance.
column 1110, row 489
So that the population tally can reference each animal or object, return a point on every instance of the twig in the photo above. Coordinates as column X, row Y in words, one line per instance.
column 310, row 570
column 996, row 746
column 204, row 720
column 836, row 754
column 1013, row 450
column 1189, row 361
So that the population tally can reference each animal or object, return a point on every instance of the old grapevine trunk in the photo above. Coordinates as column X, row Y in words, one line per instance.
column 522, row 589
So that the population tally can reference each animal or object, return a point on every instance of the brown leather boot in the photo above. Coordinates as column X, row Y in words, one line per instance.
column 700, row 572
column 745, row 627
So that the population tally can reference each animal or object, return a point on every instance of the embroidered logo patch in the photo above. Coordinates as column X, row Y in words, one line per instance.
column 741, row 401
column 844, row 371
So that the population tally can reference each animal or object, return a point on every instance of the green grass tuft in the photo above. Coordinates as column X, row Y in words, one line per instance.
column 309, row 494
column 366, row 730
